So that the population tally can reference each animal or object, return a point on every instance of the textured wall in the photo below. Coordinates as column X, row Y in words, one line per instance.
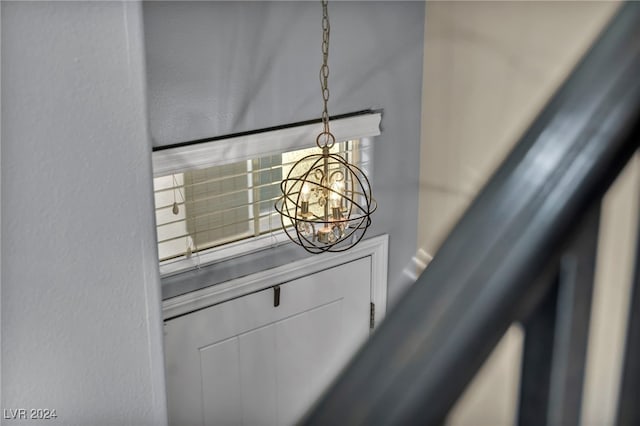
column 489, row 68
column 216, row 68
column 81, row 327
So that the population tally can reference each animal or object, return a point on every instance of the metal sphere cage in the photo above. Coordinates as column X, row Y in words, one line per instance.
column 327, row 201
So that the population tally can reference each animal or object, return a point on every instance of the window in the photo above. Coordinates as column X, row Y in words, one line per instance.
column 213, row 206
column 216, row 200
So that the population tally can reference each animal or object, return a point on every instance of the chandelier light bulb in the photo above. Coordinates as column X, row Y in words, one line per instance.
column 305, row 193
column 335, row 197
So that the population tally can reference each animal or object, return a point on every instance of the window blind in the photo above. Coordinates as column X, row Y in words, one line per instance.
column 217, row 194
column 235, row 149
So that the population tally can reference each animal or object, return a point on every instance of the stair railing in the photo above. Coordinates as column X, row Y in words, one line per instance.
column 523, row 252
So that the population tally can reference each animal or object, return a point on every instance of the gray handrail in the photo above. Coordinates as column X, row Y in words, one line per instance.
column 487, row 273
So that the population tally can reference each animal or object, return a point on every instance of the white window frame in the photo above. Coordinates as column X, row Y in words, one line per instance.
column 244, row 148
column 377, row 248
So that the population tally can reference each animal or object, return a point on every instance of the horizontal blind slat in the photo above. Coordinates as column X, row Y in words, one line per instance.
column 169, row 206
column 231, row 224
column 229, row 177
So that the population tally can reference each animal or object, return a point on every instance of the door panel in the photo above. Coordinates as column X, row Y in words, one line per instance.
column 248, row 362
column 258, row 377
column 218, row 363
column 308, row 353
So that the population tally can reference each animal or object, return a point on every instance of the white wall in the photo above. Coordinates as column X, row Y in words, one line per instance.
column 216, row 68
column 81, row 325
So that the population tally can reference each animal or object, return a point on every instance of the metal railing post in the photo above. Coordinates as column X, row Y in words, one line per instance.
column 556, row 335
column 629, row 398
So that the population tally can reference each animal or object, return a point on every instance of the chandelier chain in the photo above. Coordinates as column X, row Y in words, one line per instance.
column 340, row 213
column 324, row 75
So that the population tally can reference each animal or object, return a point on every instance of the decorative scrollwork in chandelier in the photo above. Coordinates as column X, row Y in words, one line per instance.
column 326, row 202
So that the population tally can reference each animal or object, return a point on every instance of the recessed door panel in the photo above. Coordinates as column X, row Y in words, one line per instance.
column 249, row 362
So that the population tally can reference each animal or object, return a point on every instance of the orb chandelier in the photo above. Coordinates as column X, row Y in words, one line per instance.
column 326, row 202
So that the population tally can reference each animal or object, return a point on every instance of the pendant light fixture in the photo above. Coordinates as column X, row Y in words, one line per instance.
column 326, row 202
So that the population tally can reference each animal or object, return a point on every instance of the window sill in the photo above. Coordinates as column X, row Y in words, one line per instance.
column 223, row 253
column 244, row 275
column 224, row 270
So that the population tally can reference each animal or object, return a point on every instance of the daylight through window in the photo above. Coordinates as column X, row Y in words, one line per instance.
column 204, row 208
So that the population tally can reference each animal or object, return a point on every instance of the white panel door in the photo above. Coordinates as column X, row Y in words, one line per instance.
column 248, row 362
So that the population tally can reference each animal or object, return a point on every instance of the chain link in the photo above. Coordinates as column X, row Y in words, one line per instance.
column 324, row 76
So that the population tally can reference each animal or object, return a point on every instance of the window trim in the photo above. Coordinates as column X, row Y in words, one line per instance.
column 242, row 148
column 376, row 247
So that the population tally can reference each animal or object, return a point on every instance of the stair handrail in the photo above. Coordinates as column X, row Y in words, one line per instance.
column 486, row 275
